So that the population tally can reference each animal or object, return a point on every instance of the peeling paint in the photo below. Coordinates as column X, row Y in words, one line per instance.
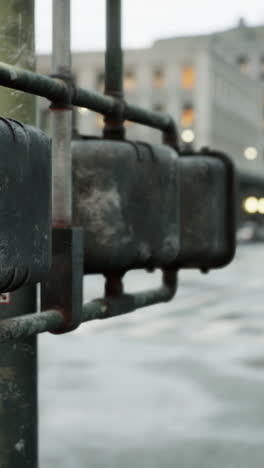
column 13, row 75
column 170, row 247
column 98, row 208
column 20, row 446
column 144, row 251
column 7, row 374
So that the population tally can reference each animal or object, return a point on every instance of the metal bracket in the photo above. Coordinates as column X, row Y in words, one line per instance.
column 62, row 290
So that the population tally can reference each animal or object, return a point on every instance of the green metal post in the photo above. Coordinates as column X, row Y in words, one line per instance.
column 113, row 53
column 114, row 125
column 18, row 362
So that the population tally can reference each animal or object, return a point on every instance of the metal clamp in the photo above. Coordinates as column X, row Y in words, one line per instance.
column 62, row 290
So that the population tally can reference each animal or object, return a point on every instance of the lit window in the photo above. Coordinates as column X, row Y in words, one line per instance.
column 243, row 63
column 158, row 79
column 187, row 77
column 129, row 81
column 187, row 116
column 99, row 120
column 100, row 82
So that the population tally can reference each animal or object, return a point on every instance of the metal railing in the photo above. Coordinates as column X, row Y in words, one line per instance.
column 59, row 91
column 63, row 94
column 53, row 320
column 60, row 88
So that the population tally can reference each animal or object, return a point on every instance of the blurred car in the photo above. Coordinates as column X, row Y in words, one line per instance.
column 250, row 231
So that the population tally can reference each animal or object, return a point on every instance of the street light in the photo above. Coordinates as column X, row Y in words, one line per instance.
column 251, row 153
column 261, row 205
column 251, row 205
column 188, row 136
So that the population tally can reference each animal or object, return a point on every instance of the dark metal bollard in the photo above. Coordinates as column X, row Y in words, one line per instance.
column 18, row 362
column 18, row 384
column 25, row 205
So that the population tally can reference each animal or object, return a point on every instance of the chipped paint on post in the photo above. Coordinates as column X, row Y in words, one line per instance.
column 20, row 446
column 18, row 379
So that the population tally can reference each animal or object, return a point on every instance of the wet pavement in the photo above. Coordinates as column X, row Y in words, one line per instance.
column 174, row 385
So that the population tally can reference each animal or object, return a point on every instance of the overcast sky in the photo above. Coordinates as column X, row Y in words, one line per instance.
column 146, row 20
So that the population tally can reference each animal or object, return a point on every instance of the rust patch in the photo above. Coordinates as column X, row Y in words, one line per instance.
column 7, row 374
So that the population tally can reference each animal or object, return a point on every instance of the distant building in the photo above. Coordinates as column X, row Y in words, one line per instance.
column 213, row 85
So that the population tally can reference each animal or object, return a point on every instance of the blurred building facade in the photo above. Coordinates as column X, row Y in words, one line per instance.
column 213, row 85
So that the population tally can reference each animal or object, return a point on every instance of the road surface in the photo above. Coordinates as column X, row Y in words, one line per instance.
column 175, row 385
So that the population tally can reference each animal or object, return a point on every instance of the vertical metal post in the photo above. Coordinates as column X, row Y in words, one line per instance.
column 18, row 362
column 114, row 127
column 113, row 55
column 114, row 124
column 61, row 118
column 62, row 289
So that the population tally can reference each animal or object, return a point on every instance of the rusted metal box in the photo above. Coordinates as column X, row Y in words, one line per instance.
column 25, row 204
column 208, row 210
column 126, row 196
column 143, row 206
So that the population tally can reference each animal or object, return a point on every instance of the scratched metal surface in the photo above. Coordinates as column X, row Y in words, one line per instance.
column 175, row 385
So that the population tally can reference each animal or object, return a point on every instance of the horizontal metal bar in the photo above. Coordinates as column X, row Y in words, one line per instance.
column 13, row 77
column 92, row 100
column 57, row 90
column 125, row 303
column 30, row 324
column 153, row 119
column 51, row 320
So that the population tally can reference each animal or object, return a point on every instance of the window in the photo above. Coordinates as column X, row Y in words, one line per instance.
column 187, row 115
column 100, row 78
column 158, row 78
column 129, row 81
column 99, row 120
column 188, row 77
column 128, row 124
column 243, row 63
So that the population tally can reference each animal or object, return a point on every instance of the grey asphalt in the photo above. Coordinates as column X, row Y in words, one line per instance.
column 175, row 385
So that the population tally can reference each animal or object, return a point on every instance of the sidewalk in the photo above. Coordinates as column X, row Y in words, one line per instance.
column 175, row 385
